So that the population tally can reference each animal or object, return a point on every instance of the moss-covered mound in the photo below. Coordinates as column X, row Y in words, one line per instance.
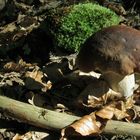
column 71, row 26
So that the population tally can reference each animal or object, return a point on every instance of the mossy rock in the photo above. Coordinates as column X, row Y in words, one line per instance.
column 71, row 26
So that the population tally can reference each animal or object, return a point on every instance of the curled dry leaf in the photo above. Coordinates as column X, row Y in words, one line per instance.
column 120, row 110
column 31, row 135
column 131, row 109
column 28, row 135
column 129, row 103
column 132, row 115
column 120, row 114
column 116, row 7
column 136, row 112
column 106, row 113
column 11, row 66
column 34, row 81
column 94, row 123
column 125, row 110
column 87, row 125
column 10, row 78
column 20, row 66
column 117, row 110
column 94, row 101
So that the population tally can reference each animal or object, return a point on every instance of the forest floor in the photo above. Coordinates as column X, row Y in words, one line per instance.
column 34, row 72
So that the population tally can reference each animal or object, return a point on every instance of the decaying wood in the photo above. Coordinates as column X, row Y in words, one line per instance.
column 55, row 121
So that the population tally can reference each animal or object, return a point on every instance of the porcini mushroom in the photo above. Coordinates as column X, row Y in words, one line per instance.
column 115, row 52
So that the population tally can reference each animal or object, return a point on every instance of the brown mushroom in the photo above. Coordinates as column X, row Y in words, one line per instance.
column 115, row 52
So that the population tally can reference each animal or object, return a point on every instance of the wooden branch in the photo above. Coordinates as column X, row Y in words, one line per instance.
column 35, row 115
column 55, row 121
column 123, row 128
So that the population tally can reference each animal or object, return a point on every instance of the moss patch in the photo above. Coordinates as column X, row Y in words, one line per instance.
column 74, row 24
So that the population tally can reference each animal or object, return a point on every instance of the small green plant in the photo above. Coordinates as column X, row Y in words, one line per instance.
column 78, row 22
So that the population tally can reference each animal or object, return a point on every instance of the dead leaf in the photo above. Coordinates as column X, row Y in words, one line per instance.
column 10, row 78
column 122, row 110
column 116, row 109
column 120, row 114
column 19, row 66
column 86, row 126
column 129, row 103
column 116, row 7
column 132, row 115
column 136, row 110
column 34, row 81
column 31, row 135
column 106, row 113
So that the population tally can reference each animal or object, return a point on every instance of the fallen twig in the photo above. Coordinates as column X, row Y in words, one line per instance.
column 53, row 120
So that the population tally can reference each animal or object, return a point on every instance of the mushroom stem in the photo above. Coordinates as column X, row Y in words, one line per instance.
column 123, row 84
column 127, row 85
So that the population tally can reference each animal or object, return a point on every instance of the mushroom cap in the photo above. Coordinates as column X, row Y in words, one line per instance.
column 115, row 48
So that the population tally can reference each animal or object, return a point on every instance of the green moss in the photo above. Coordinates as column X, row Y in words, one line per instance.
column 78, row 22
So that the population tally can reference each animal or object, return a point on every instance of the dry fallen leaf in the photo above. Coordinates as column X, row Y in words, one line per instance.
column 116, row 110
column 120, row 114
column 10, row 78
column 87, row 125
column 19, row 66
column 31, row 135
column 116, row 7
column 106, row 113
column 94, row 123
column 34, row 81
